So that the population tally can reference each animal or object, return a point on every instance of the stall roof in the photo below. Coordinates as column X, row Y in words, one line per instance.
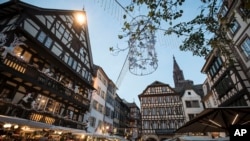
column 202, row 138
column 24, row 122
column 217, row 120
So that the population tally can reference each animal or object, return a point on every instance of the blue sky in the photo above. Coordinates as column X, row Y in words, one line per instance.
column 104, row 19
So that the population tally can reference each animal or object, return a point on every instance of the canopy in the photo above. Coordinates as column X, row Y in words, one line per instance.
column 202, row 138
column 25, row 122
column 35, row 124
column 217, row 120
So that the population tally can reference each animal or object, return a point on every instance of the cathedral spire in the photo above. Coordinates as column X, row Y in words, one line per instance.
column 177, row 74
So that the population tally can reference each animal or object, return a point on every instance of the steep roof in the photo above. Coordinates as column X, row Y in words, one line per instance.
column 16, row 6
column 169, row 89
column 197, row 88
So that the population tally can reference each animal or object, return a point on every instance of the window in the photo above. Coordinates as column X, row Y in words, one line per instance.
column 245, row 46
column 234, row 26
column 31, row 27
column 57, row 50
column 98, row 90
column 100, row 108
column 95, row 104
column 152, row 90
column 70, row 61
column 215, row 67
column 195, row 104
column 107, row 111
column 18, row 51
column 102, row 94
column 244, row 11
column 48, row 42
column 223, row 11
column 192, row 104
column 41, row 37
column 191, row 116
column 92, row 121
column 26, row 56
column 164, row 89
column 224, row 86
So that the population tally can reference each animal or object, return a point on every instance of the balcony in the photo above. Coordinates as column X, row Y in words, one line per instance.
column 40, row 81
column 19, row 111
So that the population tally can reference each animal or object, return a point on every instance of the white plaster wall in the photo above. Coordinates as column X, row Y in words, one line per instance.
column 193, row 96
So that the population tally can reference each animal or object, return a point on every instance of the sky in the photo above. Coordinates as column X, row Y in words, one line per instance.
column 104, row 19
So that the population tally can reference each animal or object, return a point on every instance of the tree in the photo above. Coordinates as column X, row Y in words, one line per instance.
column 195, row 32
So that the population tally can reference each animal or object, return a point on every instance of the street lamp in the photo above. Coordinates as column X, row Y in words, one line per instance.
column 105, row 129
column 7, row 125
column 80, row 18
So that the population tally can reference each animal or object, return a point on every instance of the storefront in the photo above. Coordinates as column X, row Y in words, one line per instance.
column 23, row 129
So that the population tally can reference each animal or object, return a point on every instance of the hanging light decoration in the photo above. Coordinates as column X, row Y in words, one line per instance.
column 142, row 55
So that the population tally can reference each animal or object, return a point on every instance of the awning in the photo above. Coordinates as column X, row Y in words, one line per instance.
column 217, row 120
column 24, row 122
column 202, row 138
column 35, row 124
column 67, row 129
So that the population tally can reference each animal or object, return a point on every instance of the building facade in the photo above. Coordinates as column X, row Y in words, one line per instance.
column 228, row 83
column 98, row 102
column 192, row 101
column 109, row 108
column 46, row 65
column 118, row 130
column 161, row 111
column 134, row 130
column 191, row 94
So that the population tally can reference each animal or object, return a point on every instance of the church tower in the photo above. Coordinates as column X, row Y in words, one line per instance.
column 177, row 74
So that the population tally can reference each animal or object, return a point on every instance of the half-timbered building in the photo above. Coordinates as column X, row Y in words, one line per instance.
column 161, row 111
column 46, row 65
column 228, row 83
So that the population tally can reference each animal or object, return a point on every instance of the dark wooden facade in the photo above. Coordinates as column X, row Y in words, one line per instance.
column 47, row 53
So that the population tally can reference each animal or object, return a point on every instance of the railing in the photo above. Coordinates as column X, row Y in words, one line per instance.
column 16, row 110
column 48, row 82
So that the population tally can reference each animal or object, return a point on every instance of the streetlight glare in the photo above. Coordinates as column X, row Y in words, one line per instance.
column 80, row 18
